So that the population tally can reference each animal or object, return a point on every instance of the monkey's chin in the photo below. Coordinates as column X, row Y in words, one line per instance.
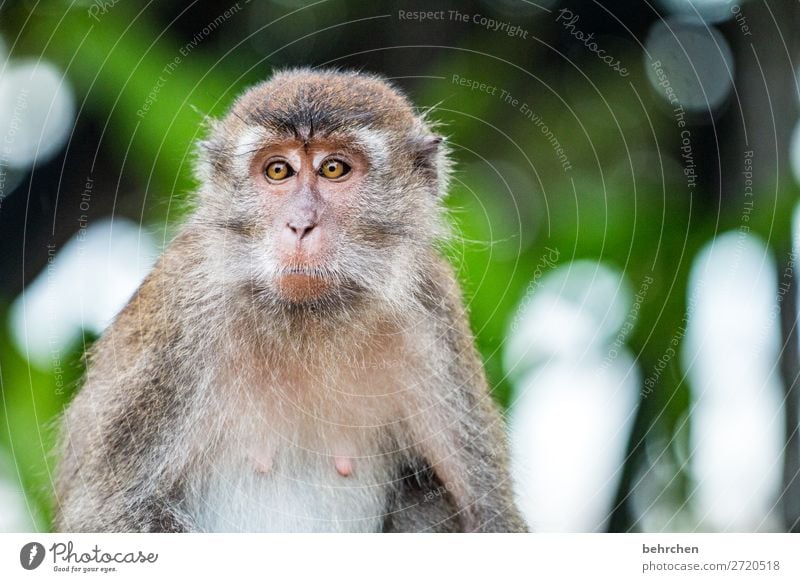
column 302, row 287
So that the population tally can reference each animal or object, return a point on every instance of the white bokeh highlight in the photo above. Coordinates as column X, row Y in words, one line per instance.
column 697, row 61
column 573, row 407
column 731, row 359
column 14, row 514
column 37, row 110
column 794, row 152
column 702, row 11
column 83, row 287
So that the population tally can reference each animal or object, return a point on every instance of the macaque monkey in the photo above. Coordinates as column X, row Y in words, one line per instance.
column 299, row 359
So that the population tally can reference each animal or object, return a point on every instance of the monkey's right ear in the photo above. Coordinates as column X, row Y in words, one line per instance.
column 207, row 149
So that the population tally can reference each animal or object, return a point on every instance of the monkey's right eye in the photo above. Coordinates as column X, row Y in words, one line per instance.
column 278, row 170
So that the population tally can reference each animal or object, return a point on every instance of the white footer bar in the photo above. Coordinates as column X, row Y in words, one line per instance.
column 504, row 557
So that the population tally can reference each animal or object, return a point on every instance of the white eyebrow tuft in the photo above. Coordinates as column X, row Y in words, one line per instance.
column 249, row 141
column 375, row 143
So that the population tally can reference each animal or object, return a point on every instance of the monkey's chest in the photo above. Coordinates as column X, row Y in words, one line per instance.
column 290, row 488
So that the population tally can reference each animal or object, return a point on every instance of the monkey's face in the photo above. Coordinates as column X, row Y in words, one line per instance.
column 308, row 193
column 328, row 187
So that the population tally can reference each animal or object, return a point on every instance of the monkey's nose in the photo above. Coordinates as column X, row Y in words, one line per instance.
column 301, row 228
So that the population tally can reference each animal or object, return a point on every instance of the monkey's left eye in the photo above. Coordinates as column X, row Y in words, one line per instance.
column 334, row 168
column 278, row 170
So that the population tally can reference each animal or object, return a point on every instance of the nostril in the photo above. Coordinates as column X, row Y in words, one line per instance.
column 301, row 229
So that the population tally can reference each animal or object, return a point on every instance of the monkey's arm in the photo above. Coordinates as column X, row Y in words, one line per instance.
column 460, row 431
column 121, row 463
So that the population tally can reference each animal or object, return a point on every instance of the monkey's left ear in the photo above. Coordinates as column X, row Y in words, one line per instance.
column 426, row 149
column 430, row 143
column 431, row 160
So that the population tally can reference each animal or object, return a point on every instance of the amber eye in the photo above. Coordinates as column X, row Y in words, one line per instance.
column 334, row 168
column 278, row 170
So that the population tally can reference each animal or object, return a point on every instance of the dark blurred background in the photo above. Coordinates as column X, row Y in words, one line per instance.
column 624, row 210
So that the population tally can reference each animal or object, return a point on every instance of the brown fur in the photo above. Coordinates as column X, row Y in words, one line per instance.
column 209, row 362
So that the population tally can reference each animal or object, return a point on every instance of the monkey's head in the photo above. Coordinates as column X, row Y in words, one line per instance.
column 327, row 187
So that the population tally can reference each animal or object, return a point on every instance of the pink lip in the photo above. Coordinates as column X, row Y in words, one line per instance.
column 302, row 284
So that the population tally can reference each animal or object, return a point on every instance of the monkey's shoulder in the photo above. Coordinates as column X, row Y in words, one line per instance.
column 438, row 289
column 167, row 296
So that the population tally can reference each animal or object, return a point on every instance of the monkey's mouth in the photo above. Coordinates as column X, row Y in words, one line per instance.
column 303, row 284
